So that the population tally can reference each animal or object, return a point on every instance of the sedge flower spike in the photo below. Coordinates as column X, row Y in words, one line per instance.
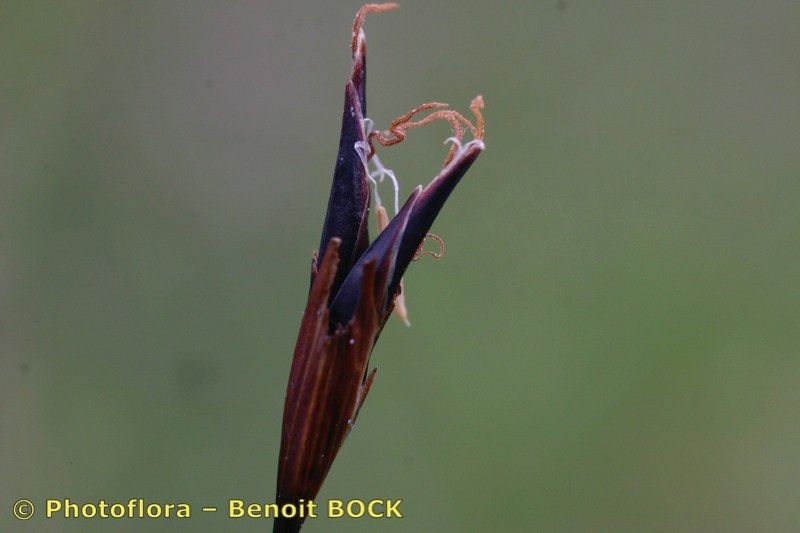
column 355, row 284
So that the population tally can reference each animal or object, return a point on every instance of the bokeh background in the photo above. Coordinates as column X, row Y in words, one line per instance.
column 611, row 342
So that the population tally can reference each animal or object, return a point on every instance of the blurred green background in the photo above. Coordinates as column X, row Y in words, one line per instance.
column 611, row 342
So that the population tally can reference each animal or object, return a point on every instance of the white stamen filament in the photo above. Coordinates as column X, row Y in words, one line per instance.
column 463, row 147
column 380, row 172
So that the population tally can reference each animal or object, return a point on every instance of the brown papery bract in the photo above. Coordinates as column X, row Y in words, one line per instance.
column 355, row 284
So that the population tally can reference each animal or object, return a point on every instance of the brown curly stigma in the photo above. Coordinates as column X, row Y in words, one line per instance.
column 475, row 106
column 365, row 10
column 399, row 127
column 421, row 249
